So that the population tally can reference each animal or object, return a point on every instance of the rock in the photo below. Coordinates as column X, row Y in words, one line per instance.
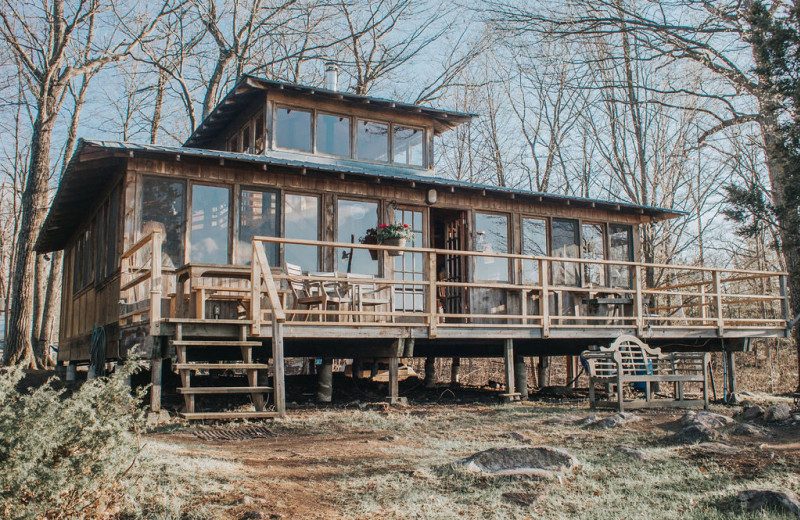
column 747, row 430
column 563, row 419
column 612, row 421
column 716, row 448
column 158, row 418
column 589, row 419
column 695, row 433
column 516, row 436
column 521, row 499
column 539, row 461
column 635, row 453
column 706, row 418
column 778, row 413
column 388, row 438
column 758, row 499
column 751, row 412
column 747, row 394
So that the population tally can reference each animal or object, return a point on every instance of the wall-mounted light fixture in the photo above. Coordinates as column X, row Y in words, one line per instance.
column 432, row 196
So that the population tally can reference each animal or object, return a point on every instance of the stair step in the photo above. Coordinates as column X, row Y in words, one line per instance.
column 199, row 416
column 220, row 366
column 207, row 343
column 226, row 390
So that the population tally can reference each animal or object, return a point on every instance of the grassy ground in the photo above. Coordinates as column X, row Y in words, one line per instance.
column 396, row 463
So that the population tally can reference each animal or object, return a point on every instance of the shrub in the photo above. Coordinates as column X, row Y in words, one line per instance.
column 67, row 456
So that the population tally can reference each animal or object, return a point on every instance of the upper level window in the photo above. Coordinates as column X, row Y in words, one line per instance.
column 407, row 145
column 293, row 129
column 373, row 141
column 333, row 135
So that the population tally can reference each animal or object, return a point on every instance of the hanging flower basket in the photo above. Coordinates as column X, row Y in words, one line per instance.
column 394, row 235
column 371, row 238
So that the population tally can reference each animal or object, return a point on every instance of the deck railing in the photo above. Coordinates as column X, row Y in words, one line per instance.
column 135, row 270
column 678, row 297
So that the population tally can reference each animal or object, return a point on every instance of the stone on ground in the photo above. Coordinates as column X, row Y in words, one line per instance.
column 562, row 419
column 612, row 421
column 751, row 412
column 778, row 413
column 748, row 430
column 538, row 461
column 695, row 433
column 706, row 418
column 758, row 499
column 716, row 448
column 520, row 438
column 635, row 453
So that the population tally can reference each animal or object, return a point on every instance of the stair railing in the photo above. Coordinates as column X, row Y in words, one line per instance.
column 132, row 276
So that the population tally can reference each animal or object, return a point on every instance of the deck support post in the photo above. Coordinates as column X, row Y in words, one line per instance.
column 508, row 362
column 325, row 381
column 72, row 371
column 570, row 372
column 430, row 372
column 541, row 371
column 394, row 376
column 731, row 366
column 357, row 367
column 156, row 365
column 521, row 376
column 455, row 372
column 279, row 381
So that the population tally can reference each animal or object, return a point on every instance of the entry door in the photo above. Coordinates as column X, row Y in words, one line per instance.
column 454, row 264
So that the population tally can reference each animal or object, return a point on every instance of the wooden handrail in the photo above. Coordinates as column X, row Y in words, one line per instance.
column 140, row 244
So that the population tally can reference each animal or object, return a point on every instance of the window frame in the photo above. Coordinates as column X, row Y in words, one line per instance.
column 351, row 144
column 509, row 245
column 274, row 134
column 237, row 216
column 187, row 253
column 320, row 223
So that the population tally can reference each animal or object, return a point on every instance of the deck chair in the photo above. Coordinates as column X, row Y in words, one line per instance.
column 369, row 294
column 304, row 293
column 337, row 294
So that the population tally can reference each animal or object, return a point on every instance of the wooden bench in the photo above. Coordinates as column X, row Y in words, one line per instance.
column 628, row 360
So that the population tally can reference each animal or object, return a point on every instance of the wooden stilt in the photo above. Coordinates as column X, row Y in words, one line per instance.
column 731, row 363
column 325, row 381
column 430, row 372
column 542, row 369
column 455, row 372
column 521, row 376
column 508, row 358
column 279, row 387
column 156, row 365
column 394, row 373
column 570, row 371
column 72, row 371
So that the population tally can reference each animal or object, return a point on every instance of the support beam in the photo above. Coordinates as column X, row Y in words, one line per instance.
column 508, row 358
column 156, row 365
column 394, row 373
column 430, row 372
column 325, row 381
column 570, row 372
column 455, row 372
column 279, row 386
column 358, row 367
column 731, row 365
column 541, row 373
column 521, row 376
column 72, row 371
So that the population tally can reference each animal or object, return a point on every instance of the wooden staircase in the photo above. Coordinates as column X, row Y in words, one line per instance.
column 246, row 365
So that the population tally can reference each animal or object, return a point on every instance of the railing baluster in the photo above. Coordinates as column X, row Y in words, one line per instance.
column 255, row 291
column 155, row 284
column 638, row 300
column 544, row 301
column 718, row 300
column 433, row 317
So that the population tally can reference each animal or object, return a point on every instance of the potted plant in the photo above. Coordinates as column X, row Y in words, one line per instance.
column 371, row 238
column 394, row 235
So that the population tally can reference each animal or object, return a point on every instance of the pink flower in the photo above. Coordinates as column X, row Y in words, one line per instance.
column 383, row 225
column 405, row 225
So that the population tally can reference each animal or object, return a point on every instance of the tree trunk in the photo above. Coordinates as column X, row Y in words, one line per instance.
column 18, row 348
column 42, row 275
column 48, row 332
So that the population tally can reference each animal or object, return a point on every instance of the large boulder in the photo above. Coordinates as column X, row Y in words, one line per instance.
column 706, row 418
column 535, row 461
column 751, row 412
column 634, row 453
column 758, row 499
column 612, row 421
column 695, row 433
column 778, row 413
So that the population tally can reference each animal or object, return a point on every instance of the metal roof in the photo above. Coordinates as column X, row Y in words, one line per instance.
column 247, row 88
column 84, row 180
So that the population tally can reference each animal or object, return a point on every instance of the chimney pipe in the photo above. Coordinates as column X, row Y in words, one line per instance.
column 331, row 76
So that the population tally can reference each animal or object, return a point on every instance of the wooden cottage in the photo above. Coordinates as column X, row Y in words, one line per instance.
column 256, row 240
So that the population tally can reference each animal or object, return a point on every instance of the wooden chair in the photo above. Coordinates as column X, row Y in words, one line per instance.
column 304, row 293
column 337, row 294
column 369, row 294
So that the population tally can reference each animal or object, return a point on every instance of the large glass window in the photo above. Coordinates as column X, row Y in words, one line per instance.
column 534, row 243
column 258, row 216
column 259, row 133
column 408, row 266
column 354, row 219
column 565, row 245
column 621, row 239
column 373, row 141
column 407, row 145
column 209, row 236
column 491, row 236
column 333, row 135
column 163, row 209
column 593, row 248
column 301, row 220
column 293, row 129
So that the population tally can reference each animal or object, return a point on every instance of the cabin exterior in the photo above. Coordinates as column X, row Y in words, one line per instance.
column 257, row 236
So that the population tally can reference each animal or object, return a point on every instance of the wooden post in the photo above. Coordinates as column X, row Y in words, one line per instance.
column 155, row 286
column 718, row 300
column 544, row 364
column 394, row 373
column 72, row 371
column 325, row 381
column 156, row 365
column 703, row 309
column 570, row 371
column 785, row 310
column 255, row 296
column 278, row 386
column 430, row 372
column 508, row 359
column 433, row 317
column 544, row 301
column 521, row 376
column 731, row 374
column 638, row 303
column 455, row 371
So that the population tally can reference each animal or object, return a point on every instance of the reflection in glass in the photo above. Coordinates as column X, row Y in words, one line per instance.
column 373, row 141
column 354, row 218
column 534, row 243
column 333, row 135
column 565, row 245
column 491, row 236
column 593, row 248
column 162, row 206
column 258, row 216
column 407, row 145
column 408, row 266
column 301, row 220
column 621, row 238
column 259, row 133
column 209, row 235
column 293, row 129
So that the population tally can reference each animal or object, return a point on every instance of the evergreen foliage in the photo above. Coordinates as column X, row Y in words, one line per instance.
column 67, row 456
